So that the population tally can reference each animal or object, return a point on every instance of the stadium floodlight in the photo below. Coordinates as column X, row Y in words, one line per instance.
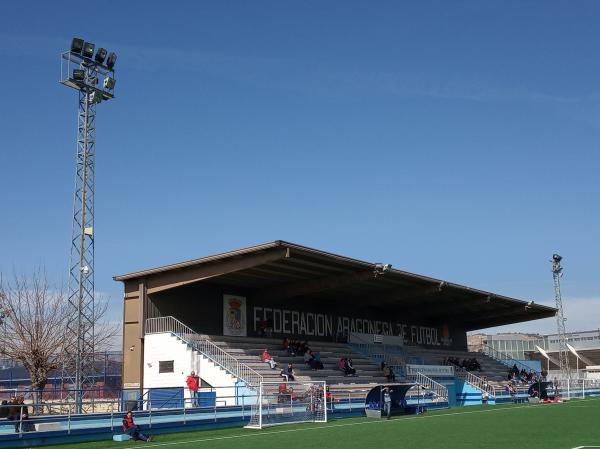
column 556, row 257
column 78, row 75
column 76, row 45
column 96, row 97
column 82, row 71
column 88, row 49
column 112, row 58
column 109, row 83
column 100, row 55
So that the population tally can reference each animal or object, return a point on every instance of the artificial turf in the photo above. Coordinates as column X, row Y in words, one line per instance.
column 544, row 426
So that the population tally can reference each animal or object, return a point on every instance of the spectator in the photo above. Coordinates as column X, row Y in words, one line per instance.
column 14, row 412
column 266, row 357
column 388, row 372
column 4, row 408
column 288, row 373
column 308, row 357
column 26, row 425
column 133, row 430
column 348, row 368
column 342, row 364
column 329, row 397
column 193, row 383
column 287, row 345
column 316, row 361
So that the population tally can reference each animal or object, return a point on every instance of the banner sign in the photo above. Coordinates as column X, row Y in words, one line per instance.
column 430, row 370
column 234, row 315
column 291, row 322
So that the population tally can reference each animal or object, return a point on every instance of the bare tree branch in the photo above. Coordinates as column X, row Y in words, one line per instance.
column 33, row 327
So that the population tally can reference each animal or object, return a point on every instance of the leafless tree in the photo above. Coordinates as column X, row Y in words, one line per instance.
column 34, row 319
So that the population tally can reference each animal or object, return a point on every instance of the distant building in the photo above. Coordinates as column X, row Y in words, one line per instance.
column 522, row 346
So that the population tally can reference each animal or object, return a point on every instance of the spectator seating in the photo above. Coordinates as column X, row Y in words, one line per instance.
column 494, row 370
column 248, row 350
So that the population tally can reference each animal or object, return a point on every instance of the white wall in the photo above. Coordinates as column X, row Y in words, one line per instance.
column 165, row 347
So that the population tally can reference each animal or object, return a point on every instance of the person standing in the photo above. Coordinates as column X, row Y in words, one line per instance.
column 387, row 402
column 193, row 383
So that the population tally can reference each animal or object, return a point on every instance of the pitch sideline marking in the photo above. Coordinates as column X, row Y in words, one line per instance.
column 231, row 437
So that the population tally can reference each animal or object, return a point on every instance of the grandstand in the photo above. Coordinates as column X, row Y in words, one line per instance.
column 231, row 302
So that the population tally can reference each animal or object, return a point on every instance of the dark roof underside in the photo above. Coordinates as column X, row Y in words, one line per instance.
column 310, row 273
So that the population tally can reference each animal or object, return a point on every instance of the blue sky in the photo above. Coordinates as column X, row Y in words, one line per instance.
column 453, row 139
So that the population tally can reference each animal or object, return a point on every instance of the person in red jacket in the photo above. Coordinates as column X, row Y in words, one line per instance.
column 133, row 430
column 193, row 382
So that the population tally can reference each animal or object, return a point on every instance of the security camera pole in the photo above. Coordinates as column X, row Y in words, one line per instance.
column 94, row 78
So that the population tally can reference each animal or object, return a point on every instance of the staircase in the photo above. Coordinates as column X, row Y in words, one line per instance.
column 234, row 366
column 440, row 392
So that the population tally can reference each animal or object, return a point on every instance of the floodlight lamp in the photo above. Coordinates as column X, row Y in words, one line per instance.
column 78, row 74
column 112, row 58
column 109, row 83
column 76, row 45
column 95, row 97
column 100, row 55
column 85, row 270
column 88, row 49
column 556, row 257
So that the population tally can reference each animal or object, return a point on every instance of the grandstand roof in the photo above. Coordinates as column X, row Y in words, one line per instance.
column 281, row 270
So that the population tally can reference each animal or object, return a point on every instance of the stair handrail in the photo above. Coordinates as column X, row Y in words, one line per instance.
column 504, row 358
column 438, row 389
column 476, row 381
column 170, row 324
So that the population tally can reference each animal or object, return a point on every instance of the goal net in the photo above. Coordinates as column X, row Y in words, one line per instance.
column 287, row 403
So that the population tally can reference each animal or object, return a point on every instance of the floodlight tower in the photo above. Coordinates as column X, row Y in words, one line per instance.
column 81, row 70
column 563, row 350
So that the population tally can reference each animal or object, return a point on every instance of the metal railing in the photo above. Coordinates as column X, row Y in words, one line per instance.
column 504, row 358
column 169, row 324
column 392, row 355
column 440, row 391
column 476, row 381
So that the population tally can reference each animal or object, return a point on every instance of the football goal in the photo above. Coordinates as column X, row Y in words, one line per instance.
column 289, row 402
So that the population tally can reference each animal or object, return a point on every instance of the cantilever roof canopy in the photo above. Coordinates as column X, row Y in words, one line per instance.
column 281, row 270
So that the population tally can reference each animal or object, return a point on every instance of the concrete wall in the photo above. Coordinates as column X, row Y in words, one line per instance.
column 165, row 347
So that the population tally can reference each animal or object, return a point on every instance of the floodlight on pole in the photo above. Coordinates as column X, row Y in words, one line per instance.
column 100, row 55
column 76, row 45
column 80, row 71
column 563, row 356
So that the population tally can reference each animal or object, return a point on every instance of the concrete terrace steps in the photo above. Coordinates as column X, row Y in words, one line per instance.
column 248, row 350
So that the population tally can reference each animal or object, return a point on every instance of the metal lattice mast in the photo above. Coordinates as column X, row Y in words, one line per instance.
column 81, row 267
column 563, row 351
column 79, row 369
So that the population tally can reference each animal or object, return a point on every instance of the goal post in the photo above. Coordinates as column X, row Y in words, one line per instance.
column 288, row 403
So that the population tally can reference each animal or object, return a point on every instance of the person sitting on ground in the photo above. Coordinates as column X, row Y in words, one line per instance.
column 348, row 368
column 266, row 357
column 133, row 430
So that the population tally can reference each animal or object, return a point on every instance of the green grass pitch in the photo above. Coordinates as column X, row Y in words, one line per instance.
column 568, row 425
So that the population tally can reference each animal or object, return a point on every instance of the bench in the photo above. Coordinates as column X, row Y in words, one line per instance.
column 47, row 426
